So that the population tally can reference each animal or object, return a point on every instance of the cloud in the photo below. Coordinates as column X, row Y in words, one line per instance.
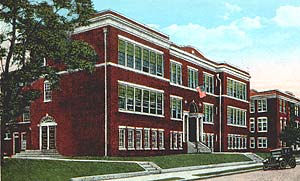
column 249, row 23
column 288, row 16
column 230, row 9
column 224, row 37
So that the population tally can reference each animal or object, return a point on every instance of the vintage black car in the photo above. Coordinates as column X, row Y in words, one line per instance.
column 280, row 158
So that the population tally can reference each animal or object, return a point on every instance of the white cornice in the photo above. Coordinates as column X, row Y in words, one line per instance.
column 124, row 25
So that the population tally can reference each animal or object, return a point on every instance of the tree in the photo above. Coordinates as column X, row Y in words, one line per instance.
column 291, row 134
column 38, row 30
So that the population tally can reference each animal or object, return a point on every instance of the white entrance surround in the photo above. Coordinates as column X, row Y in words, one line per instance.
column 15, row 135
column 199, row 125
column 46, row 121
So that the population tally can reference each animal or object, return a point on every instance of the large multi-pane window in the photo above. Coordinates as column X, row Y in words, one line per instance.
column 176, row 140
column 262, row 142
column 262, row 105
column 135, row 99
column 236, row 117
column 208, row 82
column 296, row 111
column 176, row 107
column 252, row 106
column 47, row 91
column 252, row 125
column 140, row 58
column 176, row 73
column 262, row 124
column 237, row 142
column 208, row 139
column 208, row 113
column 192, row 78
column 236, row 89
column 282, row 106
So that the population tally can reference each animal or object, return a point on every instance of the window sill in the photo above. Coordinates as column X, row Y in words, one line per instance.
column 141, row 113
column 262, row 131
column 211, row 123
column 176, row 119
column 131, row 149
column 262, row 111
column 122, row 149
column 147, row 148
column 161, row 148
column 154, row 148
column 45, row 101
column 234, row 125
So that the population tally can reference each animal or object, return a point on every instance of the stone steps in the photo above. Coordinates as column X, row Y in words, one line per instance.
column 150, row 167
column 38, row 153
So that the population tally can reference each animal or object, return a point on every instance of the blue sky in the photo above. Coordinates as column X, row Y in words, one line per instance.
column 262, row 37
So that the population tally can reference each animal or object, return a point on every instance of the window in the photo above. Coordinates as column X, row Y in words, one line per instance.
column 252, row 125
column 139, row 58
column 176, row 108
column 262, row 142
column 175, row 146
column 121, row 138
column 130, row 138
column 252, row 106
column 236, row 117
column 147, row 138
column 176, row 73
column 282, row 106
column 121, row 52
column 26, row 114
column 161, row 139
column 47, row 91
column 208, row 82
column 154, row 139
column 192, row 78
column 296, row 111
column 138, row 139
column 209, row 140
column 262, row 124
column 7, row 135
column 262, row 105
column 236, row 89
column 140, row 100
column 180, row 145
column 208, row 113
column 252, row 142
column 236, row 141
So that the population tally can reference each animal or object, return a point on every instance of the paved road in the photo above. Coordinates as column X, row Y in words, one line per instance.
column 270, row 175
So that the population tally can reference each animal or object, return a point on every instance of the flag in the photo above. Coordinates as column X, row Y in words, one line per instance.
column 201, row 91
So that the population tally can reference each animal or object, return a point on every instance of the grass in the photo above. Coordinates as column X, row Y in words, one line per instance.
column 263, row 155
column 23, row 170
column 182, row 160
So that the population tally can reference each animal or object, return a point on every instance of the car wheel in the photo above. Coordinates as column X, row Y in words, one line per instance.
column 282, row 164
column 292, row 163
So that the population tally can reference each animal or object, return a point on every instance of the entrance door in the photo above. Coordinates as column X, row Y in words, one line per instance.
column 192, row 129
column 48, row 137
column 16, row 143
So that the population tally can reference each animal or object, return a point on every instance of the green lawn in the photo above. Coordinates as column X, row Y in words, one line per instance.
column 23, row 170
column 183, row 160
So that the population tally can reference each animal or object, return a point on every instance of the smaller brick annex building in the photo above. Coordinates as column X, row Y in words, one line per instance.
column 141, row 99
column 270, row 111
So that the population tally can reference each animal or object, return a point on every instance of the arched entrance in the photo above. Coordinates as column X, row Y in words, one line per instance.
column 47, row 133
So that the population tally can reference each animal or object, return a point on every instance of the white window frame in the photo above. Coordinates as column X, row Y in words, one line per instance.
column 47, row 91
column 252, row 106
column 210, row 87
column 260, row 142
column 252, row 125
column 208, row 119
column 147, row 145
column 130, row 132
column 154, row 142
column 176, row 98
column 139, row 146
column 161, row 139
column 262, row 105
column 252, row 142
column 261, row 121
column 177, row 65
column 122, row 134
column 238, row 115
column 180, row 140
column 26, row 114
column 193, row 79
